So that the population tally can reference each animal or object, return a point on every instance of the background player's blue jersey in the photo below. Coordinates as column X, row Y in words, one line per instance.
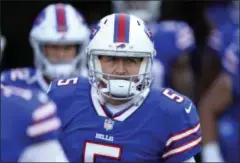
column 24, row 78
column 218, row 14
column 229, row 122
column 171, row 40
column 165, row 127
column 27, row 118
column 221, row 37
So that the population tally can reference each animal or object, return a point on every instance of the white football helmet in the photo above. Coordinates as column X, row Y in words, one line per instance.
column 124, row 36
column 3, row 44
column 59, row 24
column 148, row 11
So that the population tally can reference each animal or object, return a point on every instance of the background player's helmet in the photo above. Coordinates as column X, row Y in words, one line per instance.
column 3, row 44
column 148, row 11
column 133, row 40
column 59, row 24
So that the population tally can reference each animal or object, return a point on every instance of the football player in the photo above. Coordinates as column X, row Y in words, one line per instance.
column 58, row 38
column 3, row 44
column 220, row 38
column 174, row 41
column 220, row 111
column 29, row 127
column 118, row 117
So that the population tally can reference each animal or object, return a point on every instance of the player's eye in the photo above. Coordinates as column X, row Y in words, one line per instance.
column 134, row 60
column 111, row 58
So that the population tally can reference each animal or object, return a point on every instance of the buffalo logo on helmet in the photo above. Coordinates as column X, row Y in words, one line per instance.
column 121, row 46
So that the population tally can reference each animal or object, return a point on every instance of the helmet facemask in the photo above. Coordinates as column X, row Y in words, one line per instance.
column 59, row 69
column 119, row 87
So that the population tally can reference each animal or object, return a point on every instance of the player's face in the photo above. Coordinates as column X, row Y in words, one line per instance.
column 120, row 65
column 60, row 53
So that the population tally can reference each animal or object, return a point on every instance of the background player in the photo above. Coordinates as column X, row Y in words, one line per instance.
column 219, row 111
column 3, row 44
column 119, row 117
column 174, row 42
column 58, row 38
column 29, row 127
column 225, row 22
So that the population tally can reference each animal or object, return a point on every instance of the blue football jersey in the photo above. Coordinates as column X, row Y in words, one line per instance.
column 229, row 121
column 164, row 127
column 27, row 117
column 230, row 64
column 218, row 14
column 171, row 40
column 24, row 78
column 153, row 27
column 221, row 37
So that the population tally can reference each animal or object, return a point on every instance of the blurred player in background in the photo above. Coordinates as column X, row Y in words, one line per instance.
column 224, row 19
column 173, row 40
column 3, row 44
column 29, row 127
column 118, row 116
column 220, row 110
column 149, row 12
column 58, row 37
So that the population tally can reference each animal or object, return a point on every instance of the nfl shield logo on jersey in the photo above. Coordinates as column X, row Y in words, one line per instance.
column 108, row 124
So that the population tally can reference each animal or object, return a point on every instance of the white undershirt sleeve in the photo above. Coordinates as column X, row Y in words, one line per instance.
column 190, row 160
column 49, row 151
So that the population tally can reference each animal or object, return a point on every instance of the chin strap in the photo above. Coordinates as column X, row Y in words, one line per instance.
column 59, row 70
column 136, row 100
column 120, row 88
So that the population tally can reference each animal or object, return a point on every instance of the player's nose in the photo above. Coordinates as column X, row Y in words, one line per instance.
column 120, row 68
column 61, row 54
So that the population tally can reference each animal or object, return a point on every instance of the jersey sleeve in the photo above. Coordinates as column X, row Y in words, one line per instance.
column 184, row 139
column 61, row 91
column 230, row 61
column 230, row 65
column 44, row 121
column 16, row 76
column 49, row 151
column 215, row 40
column 62, row 85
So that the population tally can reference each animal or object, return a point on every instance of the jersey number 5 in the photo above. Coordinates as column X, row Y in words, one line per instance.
column 63, row 82
column 173, row 96
column 92, row 150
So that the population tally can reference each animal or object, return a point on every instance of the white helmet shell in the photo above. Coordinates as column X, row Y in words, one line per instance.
column 126, row 36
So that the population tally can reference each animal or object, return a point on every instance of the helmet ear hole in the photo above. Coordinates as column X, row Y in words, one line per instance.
column 105, row 21
column 138, row 23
